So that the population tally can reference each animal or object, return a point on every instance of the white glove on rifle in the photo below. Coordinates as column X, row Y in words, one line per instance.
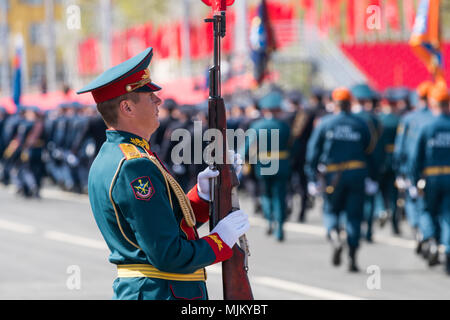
column 232, row 227
column 203, row 178
column 371, row 187
column 236, row 160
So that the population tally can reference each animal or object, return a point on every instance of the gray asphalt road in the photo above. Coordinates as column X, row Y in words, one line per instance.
column 51, row 249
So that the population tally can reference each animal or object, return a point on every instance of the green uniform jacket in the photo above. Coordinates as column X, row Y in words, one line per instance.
column 132, row 207
column 270, row 144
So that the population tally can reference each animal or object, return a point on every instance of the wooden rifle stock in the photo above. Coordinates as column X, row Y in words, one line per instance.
column 224, row 198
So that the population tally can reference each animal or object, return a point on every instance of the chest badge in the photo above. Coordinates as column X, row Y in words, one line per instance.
column 142, row 188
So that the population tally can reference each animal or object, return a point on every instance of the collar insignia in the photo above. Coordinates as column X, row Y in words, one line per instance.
column 140, row 143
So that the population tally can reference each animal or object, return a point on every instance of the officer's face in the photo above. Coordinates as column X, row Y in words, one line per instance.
column 147, row 111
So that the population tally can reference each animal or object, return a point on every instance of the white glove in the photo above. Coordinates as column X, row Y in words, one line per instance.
column 232, row 227
column 400, row 183
column 203, row 185
column 313, row 189
column 371, row 187
column 203, row 178
column 236, row 160
column 413, row 193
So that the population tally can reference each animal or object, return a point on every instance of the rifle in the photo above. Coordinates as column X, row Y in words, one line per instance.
column 224, row 198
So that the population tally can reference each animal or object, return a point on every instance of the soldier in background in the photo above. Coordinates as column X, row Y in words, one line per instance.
column 183, row 120
column 252, row 113
column 272, row 169
column 10, row 144
column 3, row 117
column 167, row 117
column 339, row 153
column 407, row 133
column 363, row 107
column 301, row 122
column 388, row 196
column 31, row 168
column 317, row 102
column 431, row 172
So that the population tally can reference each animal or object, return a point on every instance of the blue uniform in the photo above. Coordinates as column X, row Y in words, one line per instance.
column 408, row 130
column 388, row 195
column 431, row 161
column 272, row 170
column 339, row 149
column 375, row 128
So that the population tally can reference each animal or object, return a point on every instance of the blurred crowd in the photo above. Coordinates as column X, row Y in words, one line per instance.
column 58, row 144
column 61, row 144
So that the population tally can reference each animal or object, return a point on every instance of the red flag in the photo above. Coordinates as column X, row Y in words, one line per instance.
column 351, row 25
column 88, row 57
column 392, row 14
column 309, row 6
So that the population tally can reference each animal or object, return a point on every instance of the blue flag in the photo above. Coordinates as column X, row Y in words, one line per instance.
column 17, row 83
column 262, row 42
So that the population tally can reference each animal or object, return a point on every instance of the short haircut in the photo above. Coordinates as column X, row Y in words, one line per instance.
column 344, row 105
column 109, row 110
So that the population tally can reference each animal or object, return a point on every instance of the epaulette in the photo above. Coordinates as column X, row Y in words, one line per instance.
column 130, row 151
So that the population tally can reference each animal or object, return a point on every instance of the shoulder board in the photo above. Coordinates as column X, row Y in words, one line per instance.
column 130, row 151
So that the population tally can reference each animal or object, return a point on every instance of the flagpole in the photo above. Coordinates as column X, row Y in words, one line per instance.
column 50, row 45
column 186, row 39
column 106, row 26
column 241, row 31
column 4, row 39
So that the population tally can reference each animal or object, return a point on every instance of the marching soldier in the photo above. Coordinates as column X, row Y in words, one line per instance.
column 272, row 168
column 146, row 219
column 31, row 167
column 11, row 144
column 431, row 172
column 301, row 122
column 363, row 108
column 339, row 153
column 389, row 118
column 407, row 133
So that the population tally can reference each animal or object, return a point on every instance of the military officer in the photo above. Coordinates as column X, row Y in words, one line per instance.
column 272, row 169
column 339, row 153
column 147, row 221
column 431, row 172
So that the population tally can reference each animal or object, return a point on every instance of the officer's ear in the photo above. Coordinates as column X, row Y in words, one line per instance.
column 127, row 109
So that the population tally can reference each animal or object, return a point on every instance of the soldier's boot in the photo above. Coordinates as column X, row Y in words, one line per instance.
column 338, row 245
column 419, row 241
column 425, row 248
column 383, row 218
column 279, row 235
column 433, row 253
column 447, row 264
column 352, row 267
